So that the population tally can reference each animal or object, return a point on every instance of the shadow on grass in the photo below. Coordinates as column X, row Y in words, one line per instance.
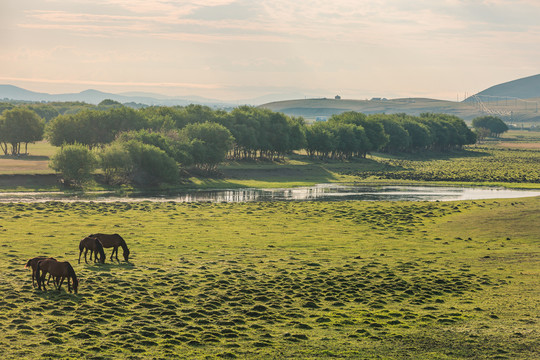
column 25, row 157
column 109, row 266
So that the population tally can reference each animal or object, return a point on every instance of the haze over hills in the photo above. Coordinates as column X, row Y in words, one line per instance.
column 10, row 92
column 514, row 101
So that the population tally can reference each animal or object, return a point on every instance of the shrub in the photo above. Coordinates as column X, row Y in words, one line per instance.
column 116, row 163
column 151, row 165
column 75, row 163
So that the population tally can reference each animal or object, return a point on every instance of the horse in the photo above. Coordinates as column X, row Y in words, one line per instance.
column 95, row 247
column 60, row 270
column 114, row 241
column 32, row 263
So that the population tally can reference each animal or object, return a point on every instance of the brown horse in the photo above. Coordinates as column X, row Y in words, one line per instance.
column 60, row 270
column 114, row 241
column 32, row 263
column 95, row 247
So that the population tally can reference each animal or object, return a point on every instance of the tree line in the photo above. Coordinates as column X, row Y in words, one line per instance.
column 150, row 144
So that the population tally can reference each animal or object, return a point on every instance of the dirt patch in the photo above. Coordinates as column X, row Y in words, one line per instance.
column 8, row 165
column 517, row 145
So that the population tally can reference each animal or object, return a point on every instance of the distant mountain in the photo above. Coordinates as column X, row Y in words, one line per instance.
column 10, row 92
column 524, row 88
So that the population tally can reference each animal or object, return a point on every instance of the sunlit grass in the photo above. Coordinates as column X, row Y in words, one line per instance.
column 418, row 280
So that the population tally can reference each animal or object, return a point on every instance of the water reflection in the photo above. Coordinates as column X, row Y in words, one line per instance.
column 322, row 192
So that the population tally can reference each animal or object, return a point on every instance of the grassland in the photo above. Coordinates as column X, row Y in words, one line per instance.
column 278, row 280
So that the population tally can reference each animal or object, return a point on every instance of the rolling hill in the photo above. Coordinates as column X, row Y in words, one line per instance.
column 10, row 92
column 524, row 88
column 516, row 101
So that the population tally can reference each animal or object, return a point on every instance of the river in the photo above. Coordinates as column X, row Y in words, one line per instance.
column 321, row 192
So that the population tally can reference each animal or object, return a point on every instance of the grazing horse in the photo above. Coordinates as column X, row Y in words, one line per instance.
column 32, row 263
column 60, row 270
column 114, row 241
column 95, row 247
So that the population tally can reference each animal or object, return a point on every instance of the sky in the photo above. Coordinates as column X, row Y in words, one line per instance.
column 244, row 49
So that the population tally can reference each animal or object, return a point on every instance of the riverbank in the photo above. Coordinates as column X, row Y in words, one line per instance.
column 510, row 162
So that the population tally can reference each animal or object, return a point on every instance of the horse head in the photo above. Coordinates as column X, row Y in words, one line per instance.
column 126, row 254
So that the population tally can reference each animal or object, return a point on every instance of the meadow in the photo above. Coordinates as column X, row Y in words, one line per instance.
column 370, row 280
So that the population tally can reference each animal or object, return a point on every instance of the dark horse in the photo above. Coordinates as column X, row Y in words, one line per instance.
column 95, row 247
column 32, row 263
column 60, row 270
column 114, row 241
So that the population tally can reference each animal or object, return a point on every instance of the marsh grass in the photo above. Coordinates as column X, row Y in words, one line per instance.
column 287, row 280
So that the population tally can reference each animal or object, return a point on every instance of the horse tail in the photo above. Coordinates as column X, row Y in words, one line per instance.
column 81, row 245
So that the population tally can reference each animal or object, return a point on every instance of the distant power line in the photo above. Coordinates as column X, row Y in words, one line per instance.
column 504, row 106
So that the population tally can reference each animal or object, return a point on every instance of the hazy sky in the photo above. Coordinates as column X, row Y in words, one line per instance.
column 239, row 49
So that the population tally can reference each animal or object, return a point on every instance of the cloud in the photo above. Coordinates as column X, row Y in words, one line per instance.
column 315, row 43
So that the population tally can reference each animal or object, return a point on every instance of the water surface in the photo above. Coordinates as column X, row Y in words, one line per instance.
column 322, row 192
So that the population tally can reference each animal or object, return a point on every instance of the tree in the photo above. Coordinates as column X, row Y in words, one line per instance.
column 399, row 138
column 92, row 127
column 418, row 132
column 482, row 133
column 213, row 143
column 75, row 163
column 494, row 124
column 320, row 139
column 374, row 131
column 19, row 125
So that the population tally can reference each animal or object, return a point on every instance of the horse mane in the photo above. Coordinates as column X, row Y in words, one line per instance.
column 71, row 273
column 123, row 243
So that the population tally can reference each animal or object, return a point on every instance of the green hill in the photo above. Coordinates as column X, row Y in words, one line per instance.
column 524, row 88
column 515, row 102
column 511, row 111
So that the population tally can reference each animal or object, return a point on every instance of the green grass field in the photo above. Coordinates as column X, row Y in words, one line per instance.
column 369, row 280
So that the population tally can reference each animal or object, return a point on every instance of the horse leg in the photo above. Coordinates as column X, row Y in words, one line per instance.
column 85, row 251
column 41, row 280
column 60, row 281
column 69, row 287
column 33, row 277
column 91, row 253
column 49, row 280
column 116, row 253
column 80, row 253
